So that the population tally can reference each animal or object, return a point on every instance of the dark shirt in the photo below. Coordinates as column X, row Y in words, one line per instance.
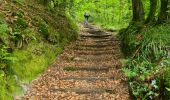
column 86, row 15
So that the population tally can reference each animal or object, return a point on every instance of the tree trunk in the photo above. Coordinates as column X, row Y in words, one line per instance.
column 168, row 12
column 151, row 17
column 138, row 12
column 164, row 11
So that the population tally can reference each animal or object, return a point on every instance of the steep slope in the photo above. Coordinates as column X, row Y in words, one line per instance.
column 30, row 39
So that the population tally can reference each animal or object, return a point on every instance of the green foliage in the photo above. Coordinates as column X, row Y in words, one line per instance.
column 167, row 83
column 24, row 54
column 148, row 58
column 7, row 80
column 43, row 29
column 19, row 1
column 20, row 14
column 21, row 23
column 5, row 58
column 51, row 5
column 4, row 33
column 3, row 30
column 144, row 91
column 54, row 38
column 110, row 14
column 23, row 37
column 36, row 58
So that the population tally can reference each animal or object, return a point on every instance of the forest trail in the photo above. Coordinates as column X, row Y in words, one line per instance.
column 88, row 69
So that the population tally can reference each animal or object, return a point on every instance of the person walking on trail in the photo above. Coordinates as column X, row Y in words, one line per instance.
column 86, row 16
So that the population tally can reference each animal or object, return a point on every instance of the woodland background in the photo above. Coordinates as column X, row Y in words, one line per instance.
column 34, row 32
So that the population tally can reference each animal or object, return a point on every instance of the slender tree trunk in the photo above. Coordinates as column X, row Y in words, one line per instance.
column 164, row 11
column 138, row 12
column 168, row 12
column 151, row 17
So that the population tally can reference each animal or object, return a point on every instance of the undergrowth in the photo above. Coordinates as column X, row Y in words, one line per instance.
column 29, row 44
column 147, row 60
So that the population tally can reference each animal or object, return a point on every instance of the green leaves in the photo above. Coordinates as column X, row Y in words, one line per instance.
column 43, row 29
column 168, row 89
column 19, row 1
column 4, row 33
column 21, row 23
column 3, row 28
column 129, row 73
column 149, row 59
column 2, row 74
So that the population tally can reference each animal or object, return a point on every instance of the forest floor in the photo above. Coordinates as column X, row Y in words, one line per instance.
column 88, row 69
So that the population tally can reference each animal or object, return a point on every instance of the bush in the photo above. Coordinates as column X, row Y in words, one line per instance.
column 148, row 59
column 43, row 29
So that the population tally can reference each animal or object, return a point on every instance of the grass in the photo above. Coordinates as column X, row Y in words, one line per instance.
column 30, row 62
column 167, row 84
column 147, row 60
column 30, row 45
column 36, row 58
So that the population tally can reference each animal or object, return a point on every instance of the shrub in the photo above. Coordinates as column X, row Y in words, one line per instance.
column 148, row 59
column 43, row 29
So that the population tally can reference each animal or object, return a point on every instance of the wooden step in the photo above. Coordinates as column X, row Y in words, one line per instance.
column 88, row 68
column 106, row 40
column 96, row 35
column 95, row 53
column 84, row 90
column 95, row 45
column 88, row 78
column 94, row 57
column 85, row 55
column 95, row 31
column 94, row 49
column 89, row 60
column 86, row 73
column 95, row 40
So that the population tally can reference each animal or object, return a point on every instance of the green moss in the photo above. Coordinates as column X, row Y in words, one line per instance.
column 33, row 52
column 36, row 58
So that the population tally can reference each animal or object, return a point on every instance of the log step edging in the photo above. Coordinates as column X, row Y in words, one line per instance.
column 84, row 90
column 88, row 78
column 91, row 68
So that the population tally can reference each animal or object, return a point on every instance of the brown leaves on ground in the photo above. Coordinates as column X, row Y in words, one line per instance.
column 87, row 84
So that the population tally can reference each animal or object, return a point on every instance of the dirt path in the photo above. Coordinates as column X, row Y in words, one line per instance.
column 88, row 69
